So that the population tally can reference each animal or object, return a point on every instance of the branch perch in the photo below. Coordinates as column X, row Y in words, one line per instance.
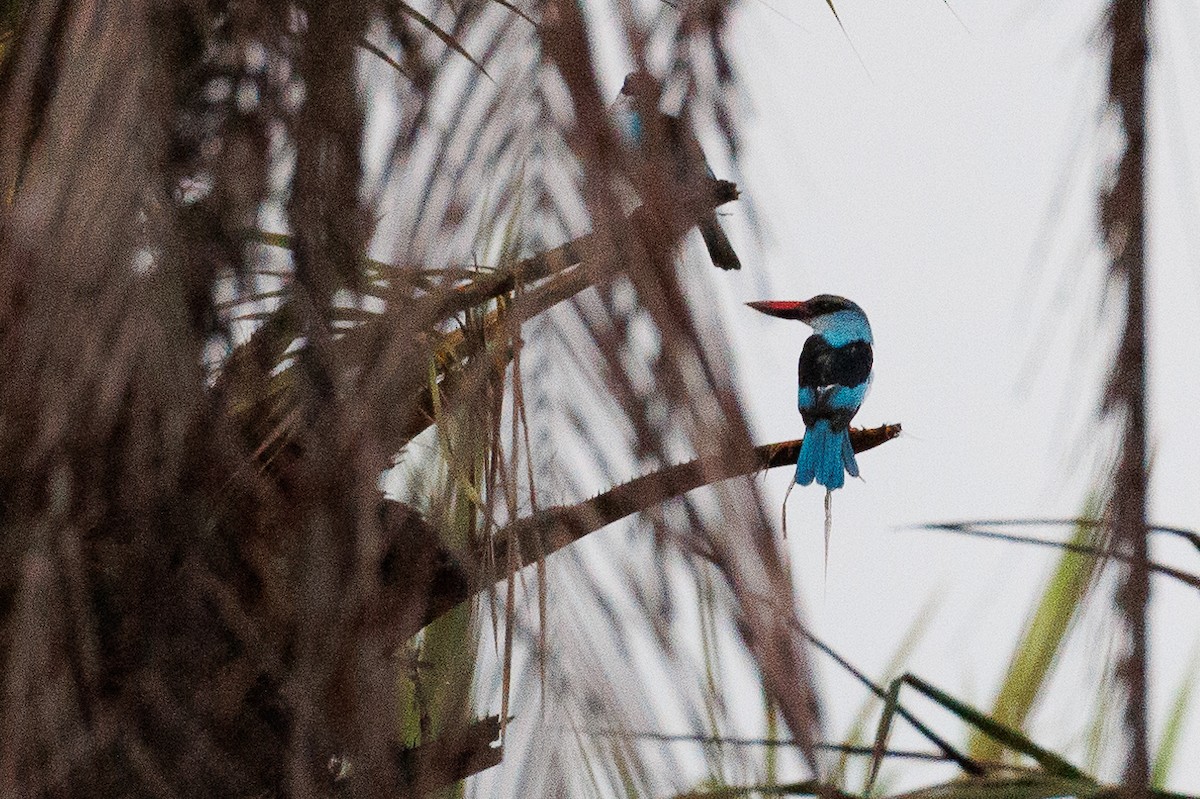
column 552, row 529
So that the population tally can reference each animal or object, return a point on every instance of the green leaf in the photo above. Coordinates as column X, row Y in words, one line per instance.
column 1032, row 786
column 804, row 788
column 375, row 269
column 890, row 702
column 855, row 735
column 1168, row 742
column 1013, row 739
column 282, row 240
column 1045, row 633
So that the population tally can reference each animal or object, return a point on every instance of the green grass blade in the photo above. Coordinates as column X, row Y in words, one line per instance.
column 1045, row 634
column 771, row 769
column 805, row 788
column 1168, row 742
column 855, row 734
column 1011, row 738
column 282, row 240
column 445, row 677
column 1027, row 786
column 285, row 241
column 881, row 735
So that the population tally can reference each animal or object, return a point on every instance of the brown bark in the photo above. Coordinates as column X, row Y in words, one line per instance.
column 1123, row 215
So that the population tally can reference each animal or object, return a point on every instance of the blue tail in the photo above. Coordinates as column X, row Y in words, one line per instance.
column 825, row 456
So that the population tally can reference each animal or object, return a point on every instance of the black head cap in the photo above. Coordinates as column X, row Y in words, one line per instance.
column 829, row 303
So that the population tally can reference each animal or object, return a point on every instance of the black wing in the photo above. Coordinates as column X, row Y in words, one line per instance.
column 824, row 365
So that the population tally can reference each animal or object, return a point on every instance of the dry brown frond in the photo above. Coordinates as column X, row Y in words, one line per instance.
column 203, row 590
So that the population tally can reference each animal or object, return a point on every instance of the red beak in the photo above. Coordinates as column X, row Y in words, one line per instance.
column 784, row 309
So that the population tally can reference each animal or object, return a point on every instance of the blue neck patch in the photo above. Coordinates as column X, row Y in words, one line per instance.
column 842, row 327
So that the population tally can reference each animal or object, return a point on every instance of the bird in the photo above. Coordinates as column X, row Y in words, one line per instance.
column 640, row 91
column 834, row 374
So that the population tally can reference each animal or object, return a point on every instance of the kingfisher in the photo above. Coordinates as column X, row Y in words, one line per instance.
column 640, row 90
column 835, row 373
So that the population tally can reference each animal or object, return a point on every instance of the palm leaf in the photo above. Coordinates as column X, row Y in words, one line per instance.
column 447, row 39
column 1045, row 635
column 1014, row 740
column 1172, row 732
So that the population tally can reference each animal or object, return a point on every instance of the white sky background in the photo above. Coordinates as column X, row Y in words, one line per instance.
column 918, row 187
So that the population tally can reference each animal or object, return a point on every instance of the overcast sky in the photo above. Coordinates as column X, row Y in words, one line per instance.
column 946, row 184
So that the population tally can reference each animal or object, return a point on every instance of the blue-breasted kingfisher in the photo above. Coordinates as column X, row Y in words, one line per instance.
column 835, row 373
column 640, row 91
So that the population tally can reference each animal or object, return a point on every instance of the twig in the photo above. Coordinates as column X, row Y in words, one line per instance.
column 969, row 528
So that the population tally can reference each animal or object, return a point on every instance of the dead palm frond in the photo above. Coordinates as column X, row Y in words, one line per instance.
column 195, row 429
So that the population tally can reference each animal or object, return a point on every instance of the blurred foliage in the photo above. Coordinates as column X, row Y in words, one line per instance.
column 319, row 324
column 197, row 415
